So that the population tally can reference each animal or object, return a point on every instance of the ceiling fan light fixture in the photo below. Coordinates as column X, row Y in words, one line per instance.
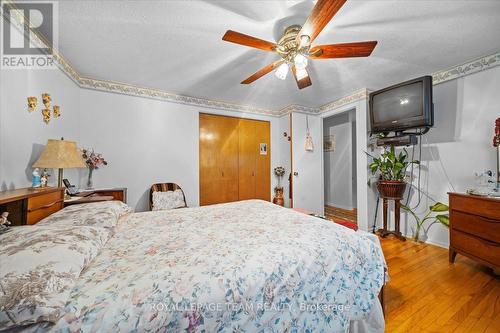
column 305, row 40
column 301, row 73
column 300, row 61
column 282, row 71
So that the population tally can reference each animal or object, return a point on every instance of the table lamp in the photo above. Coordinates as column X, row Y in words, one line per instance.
column 60, row 154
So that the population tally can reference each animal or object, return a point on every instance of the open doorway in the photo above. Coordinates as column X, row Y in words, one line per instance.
column 340, row 181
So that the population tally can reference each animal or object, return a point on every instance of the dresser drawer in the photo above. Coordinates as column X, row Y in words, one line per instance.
column 476, row 205
column 483, row 227
column 43, row 205
column 37, row 215
column 477, row 247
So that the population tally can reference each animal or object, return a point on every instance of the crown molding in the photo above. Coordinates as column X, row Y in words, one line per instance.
column 467, row 68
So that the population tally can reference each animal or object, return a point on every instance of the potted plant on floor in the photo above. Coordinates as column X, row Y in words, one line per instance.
column 392, row 168
column 434, row 214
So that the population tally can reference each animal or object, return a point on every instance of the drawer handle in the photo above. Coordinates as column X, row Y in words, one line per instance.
column 46, row 206
column 485, row 219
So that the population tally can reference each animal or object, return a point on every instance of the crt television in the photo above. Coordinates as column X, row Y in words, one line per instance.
column 404, row 106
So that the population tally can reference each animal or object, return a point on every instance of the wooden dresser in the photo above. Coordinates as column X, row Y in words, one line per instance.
column 475, row 228
column 28, row 205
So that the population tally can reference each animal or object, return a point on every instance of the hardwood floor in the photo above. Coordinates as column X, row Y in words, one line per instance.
column 332, row 212
column 427, row 294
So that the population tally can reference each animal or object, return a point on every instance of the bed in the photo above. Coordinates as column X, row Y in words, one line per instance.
column 248, row 266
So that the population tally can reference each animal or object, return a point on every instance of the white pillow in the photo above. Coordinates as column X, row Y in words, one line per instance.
column 168, row 200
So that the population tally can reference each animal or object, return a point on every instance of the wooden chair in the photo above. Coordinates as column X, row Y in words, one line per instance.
column 164, row 187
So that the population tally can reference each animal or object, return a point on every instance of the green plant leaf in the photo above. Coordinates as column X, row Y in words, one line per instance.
column 444, row 219
column 439, row 207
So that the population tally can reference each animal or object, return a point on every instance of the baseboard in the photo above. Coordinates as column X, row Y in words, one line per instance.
column 410, row 236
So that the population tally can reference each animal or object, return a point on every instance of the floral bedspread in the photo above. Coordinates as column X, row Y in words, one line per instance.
column 248, row 266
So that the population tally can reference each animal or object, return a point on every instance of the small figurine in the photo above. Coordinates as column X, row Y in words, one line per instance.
column 4, row 223
column 32, row 101
column 44, row 179
column 35, row 179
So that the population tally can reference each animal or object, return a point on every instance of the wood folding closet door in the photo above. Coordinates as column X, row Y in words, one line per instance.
column 232, row 165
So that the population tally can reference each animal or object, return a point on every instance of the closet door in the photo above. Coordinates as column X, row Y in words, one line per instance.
column 263, row 161
column 248, row 150
column 254, row 164
column 218, row 159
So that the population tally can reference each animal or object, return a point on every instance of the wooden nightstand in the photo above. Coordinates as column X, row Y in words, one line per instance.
column 29, row 205
column 107, row 194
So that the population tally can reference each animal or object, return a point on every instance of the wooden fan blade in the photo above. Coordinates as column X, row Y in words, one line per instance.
column 242, row 39
column 269, row 68
column 302, row 82
column 346, row 50
column 321, row 14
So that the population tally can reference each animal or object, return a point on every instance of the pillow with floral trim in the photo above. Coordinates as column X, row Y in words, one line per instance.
column 38, row 268
column 97, row 214
column 168, row 200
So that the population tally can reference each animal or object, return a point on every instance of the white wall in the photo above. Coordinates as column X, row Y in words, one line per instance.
column 147, row 141
column 144, row 140
column 338, row 164
column 23, row 134
column 459, row 144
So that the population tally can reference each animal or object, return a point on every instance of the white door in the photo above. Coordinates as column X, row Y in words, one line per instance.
column 307, row 166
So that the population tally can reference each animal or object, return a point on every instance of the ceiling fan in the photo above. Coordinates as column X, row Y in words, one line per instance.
column 294, row 47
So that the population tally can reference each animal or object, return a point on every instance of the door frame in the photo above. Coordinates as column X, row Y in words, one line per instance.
column 361, row 111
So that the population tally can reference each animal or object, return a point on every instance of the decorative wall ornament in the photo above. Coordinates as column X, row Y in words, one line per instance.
column 452, row 73
column 32, row 102
column 57, row 111
column 47, row 100
column 46, row 115
column 309, row 146
column 329, row 143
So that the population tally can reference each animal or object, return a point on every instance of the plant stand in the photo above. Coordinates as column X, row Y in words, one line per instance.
column 384, row 232
column 391, row 190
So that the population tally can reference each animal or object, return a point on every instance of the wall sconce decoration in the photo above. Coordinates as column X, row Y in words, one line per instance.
column 46, row 115
column 47, row 100
column 57, row 111
column 32, row 101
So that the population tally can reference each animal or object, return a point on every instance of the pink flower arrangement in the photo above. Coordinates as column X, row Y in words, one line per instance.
column 496, row 138
column 92, row 159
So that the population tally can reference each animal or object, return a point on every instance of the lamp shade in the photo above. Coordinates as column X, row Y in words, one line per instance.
column 60, row 154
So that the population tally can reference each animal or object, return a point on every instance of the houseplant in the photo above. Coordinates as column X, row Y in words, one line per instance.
column 431, row 215
column 392, row 168
column 93, row 161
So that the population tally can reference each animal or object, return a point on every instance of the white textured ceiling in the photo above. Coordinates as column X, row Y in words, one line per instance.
column 176, row 45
